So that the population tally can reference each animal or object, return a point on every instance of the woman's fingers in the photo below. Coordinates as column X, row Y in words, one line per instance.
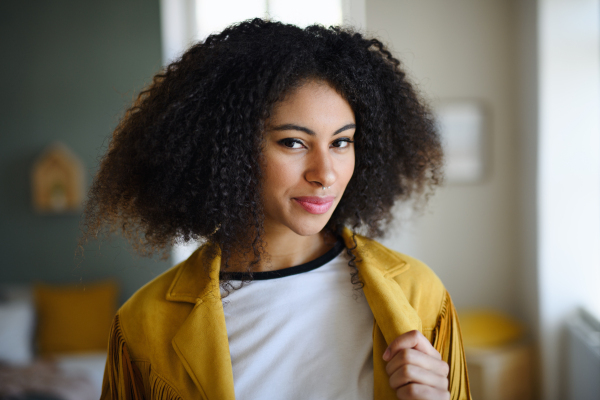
column 408, row 340
column 415, row 368
column 409, row 373
column 418, row 358
column 416, row 391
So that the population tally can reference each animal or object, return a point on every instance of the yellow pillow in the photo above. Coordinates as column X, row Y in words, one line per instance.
column 74, row 318
column 488, row 328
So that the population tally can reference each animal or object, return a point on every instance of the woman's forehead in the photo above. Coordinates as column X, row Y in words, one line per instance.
column 313, row 100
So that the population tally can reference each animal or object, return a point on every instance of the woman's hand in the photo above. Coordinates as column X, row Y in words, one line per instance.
column 416, row 369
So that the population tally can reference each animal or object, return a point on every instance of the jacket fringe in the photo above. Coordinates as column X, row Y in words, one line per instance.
column 447, row 340
column 124, row 380
column 161, row 390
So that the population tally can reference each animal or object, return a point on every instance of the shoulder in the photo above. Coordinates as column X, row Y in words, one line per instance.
column 422, row 287
column 148, row 318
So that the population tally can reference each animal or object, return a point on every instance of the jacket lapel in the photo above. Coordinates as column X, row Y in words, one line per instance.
column 201, row 343
column 377, row 266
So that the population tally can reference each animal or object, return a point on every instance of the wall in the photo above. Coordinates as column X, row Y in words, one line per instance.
column 528, row 140
column 69, row 68
column 456, row 50
column 569, row 175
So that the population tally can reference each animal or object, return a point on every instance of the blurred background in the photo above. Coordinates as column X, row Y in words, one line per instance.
column 514, row 234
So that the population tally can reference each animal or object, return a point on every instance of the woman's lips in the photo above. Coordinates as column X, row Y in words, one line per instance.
column 314, row 204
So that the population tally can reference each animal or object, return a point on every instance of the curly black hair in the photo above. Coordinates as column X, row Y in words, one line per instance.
column 183, row 163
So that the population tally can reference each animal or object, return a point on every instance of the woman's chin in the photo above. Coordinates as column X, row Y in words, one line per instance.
column 308, row 229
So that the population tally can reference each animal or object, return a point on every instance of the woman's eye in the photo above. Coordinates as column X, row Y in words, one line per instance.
column 341, row 143
column 291, row 143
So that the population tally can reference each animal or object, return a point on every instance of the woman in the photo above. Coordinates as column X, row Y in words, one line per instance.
column 274, row 144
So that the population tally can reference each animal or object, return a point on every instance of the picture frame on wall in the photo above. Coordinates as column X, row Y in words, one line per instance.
column 462, row 124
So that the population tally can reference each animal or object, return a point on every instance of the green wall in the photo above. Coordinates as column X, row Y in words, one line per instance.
column 68, row 70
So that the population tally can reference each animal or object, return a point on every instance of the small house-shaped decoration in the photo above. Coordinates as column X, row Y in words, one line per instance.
column 58, row 181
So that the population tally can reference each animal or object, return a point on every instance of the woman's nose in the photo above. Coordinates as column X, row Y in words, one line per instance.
column 320, row 169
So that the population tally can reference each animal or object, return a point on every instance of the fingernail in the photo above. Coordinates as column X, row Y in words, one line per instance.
column 386, row 355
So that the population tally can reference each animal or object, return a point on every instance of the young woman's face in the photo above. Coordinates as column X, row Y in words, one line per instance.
column 308, row 147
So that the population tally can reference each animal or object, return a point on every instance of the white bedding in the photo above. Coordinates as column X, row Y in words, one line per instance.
column 88, row 364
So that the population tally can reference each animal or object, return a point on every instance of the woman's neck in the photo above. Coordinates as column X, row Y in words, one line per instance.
column 284, row 249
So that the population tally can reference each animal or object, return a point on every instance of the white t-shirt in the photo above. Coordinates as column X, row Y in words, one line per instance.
column 302, row 332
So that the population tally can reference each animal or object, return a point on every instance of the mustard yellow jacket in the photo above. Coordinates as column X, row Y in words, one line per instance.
column 169, row 340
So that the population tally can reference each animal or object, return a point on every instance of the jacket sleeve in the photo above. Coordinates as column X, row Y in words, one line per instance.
column 122, row 379
column 447, row 340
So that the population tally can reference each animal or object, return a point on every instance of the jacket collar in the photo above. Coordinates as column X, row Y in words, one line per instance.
column 202, row 343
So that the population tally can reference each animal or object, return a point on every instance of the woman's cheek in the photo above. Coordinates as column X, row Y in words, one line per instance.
column 348, row 170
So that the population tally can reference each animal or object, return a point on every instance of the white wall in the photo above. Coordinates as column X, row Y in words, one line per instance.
column 178, row 27
column 569, row 173
column 454, row 50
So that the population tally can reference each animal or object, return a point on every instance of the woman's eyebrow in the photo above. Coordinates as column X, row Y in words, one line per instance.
column 292, row 127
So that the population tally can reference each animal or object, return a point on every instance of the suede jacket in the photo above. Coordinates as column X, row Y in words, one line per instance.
column 169, row 340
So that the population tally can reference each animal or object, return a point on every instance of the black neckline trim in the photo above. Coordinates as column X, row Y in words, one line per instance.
column 298, row 269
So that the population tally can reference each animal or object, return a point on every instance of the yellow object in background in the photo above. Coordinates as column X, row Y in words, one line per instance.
column 57, row 180
column 486, row 328
column 75, row 318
